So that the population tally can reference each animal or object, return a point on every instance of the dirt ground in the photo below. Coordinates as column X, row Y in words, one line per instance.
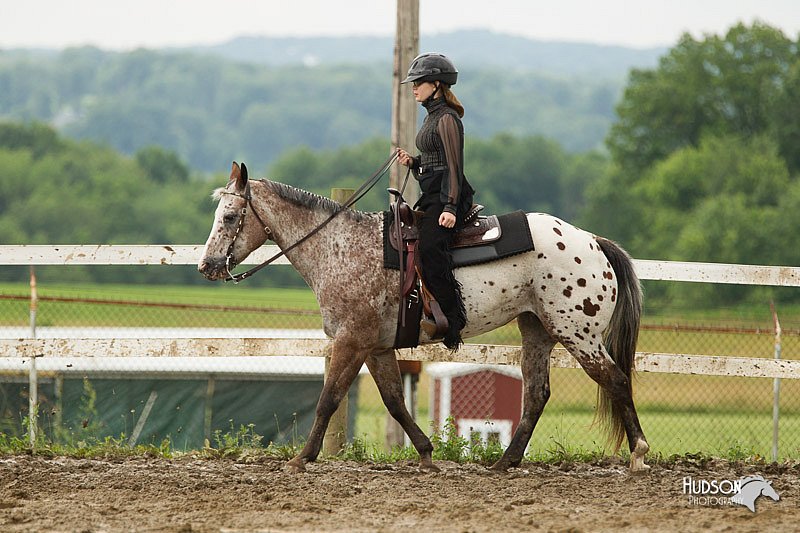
column 190, row 494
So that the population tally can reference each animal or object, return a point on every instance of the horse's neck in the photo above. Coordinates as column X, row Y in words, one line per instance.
column 290, row 223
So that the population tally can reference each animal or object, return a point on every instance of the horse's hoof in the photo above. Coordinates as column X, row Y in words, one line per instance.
column 499, row 466
column 295, row 466
column 637, row 457
column 638, row 466
column 428, row 466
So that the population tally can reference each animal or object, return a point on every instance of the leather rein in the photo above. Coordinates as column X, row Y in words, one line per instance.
column 357, row 195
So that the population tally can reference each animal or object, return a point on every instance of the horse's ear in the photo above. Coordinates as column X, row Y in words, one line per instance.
column 241, row 182
column 236, row 172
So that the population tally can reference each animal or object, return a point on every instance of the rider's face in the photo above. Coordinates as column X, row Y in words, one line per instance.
column 422, row 90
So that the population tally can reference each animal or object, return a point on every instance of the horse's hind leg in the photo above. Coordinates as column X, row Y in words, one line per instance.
column 615, row 385
column 384, row 369
column 346, row 361
column 535, row 363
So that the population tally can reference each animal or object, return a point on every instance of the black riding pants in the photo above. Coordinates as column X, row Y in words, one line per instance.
column 436, row 263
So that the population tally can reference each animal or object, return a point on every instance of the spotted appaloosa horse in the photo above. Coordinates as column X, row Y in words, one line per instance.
column 575, row 288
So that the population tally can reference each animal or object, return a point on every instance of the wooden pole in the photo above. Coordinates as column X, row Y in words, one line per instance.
column 404, row 131
column 404, row 107
column 776, row 386
column 33, row 379
column 336, row 435
column 208, row 411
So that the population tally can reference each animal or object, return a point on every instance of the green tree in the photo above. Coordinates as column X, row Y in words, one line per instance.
column 719, row 85
column 511, row 172
column 785, row 118
column 36, row 137
column 581, row 173
column 162, row 166
column 349, row 167
column 691, row 188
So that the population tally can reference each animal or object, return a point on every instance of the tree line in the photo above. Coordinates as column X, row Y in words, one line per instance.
column 55, row 190
column 209, row 110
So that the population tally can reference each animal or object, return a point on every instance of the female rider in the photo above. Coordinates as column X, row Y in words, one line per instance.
column 446, row 194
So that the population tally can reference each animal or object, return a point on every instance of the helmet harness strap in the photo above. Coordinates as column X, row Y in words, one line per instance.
column 433, row 94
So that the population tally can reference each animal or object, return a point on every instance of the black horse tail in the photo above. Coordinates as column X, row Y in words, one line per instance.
column 621, row 335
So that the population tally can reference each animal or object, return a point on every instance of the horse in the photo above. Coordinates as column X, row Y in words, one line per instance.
column 751, row 488
column 575, row 288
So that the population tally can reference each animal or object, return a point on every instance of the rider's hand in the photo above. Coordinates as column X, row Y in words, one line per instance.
column 447, row 219
column 404, row 158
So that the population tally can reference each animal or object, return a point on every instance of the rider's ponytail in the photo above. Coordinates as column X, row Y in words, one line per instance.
column 452, row 100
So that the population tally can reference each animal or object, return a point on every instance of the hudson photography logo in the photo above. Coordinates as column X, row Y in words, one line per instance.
column 723, row 492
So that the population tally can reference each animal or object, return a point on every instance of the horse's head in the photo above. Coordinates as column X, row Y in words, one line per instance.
column 768, row 491
column 237, row 229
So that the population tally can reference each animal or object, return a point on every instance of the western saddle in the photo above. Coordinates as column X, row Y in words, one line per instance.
column 415, row 299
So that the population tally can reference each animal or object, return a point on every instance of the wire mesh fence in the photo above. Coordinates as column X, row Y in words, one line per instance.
column 190, row 400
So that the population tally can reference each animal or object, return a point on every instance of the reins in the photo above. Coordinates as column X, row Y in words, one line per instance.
column 356, row 196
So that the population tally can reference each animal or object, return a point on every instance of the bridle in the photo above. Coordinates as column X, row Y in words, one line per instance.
column 357, row 195
column 248, row 197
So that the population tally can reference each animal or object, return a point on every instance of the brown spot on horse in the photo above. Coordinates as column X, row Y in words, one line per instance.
column 590, row 309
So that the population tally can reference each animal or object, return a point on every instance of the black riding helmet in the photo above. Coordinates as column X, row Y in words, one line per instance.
column 432, row 67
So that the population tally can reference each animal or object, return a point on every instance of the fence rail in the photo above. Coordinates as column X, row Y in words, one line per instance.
column 109, row 254
column 164, row 254
column 469, row 353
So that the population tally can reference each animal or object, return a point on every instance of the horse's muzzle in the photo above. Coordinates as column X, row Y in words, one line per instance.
column 211, row 269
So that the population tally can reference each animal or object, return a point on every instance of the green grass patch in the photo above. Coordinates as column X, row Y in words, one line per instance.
column 163, row 306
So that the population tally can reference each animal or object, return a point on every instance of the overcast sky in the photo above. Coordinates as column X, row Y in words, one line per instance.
column 122, row 25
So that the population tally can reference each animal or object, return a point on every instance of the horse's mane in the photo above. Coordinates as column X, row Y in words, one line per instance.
column 300, row 198
column 309, row 200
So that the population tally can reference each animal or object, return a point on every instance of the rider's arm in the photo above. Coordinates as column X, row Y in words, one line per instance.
column 450, row 134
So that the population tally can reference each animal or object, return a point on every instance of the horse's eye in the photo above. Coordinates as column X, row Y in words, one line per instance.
column 230, row 218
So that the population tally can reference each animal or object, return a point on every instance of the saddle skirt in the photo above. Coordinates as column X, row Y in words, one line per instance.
column 481, row 230
column 483, row 240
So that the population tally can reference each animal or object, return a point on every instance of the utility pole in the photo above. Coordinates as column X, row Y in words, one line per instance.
column 404, row 131
column 404, row 107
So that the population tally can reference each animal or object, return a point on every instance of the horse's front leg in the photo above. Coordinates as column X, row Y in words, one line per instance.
column 346, row 361
column 384, row 369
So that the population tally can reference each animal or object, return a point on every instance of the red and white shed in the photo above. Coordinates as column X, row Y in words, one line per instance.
column 485, row 401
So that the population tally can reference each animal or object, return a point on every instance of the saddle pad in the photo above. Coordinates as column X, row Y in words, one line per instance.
column 515, row 239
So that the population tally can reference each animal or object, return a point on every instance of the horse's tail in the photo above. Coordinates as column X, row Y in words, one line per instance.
column 621, row 335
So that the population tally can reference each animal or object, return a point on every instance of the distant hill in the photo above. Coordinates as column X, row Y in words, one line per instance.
column 254, row 97
column 470, row 49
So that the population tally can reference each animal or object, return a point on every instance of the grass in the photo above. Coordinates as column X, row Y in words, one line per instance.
column 669, row 433
column 181, row 306
column 245, row 445
column 224, row 294
column 679, row 414
column 564, row 435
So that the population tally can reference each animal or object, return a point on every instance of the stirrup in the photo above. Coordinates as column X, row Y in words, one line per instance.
column 432, row 329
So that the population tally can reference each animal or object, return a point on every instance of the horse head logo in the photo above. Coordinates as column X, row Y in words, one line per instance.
column 751, row 488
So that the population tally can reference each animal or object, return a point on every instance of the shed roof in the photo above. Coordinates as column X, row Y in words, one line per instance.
column 440, row 370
